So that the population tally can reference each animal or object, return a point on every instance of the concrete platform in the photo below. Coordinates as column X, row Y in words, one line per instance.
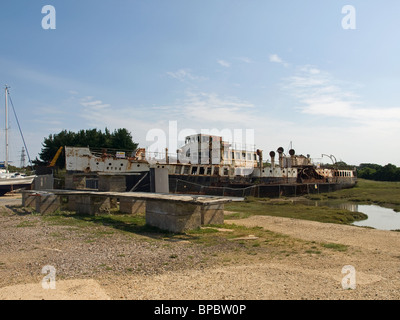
column 171, row 212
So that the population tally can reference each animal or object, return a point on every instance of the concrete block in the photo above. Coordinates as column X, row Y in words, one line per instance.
column 113, row 203
column 75, row 182
column 131, row 205
column 92, row 205
column 71, row 203
column 212, row 214
column 173, row 216
column 28, row 200
column 47, row 203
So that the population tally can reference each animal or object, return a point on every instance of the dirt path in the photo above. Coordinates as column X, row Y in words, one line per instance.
column 374, row 254
column 363, row 238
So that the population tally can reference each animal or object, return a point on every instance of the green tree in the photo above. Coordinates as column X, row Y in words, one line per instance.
column 377, row 172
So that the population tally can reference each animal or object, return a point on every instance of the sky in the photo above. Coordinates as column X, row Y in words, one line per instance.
column 312, row 75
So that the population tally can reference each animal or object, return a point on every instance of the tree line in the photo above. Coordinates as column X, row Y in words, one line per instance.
column 370, row 171
column 119, row 139
column 377, row 172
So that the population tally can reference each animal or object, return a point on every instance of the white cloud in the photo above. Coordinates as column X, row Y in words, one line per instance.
column 88, row 102
column 320, row 94
column 184, row 74
column 202, row 108
column 276, row 59
column 245, row 59
column 342, row 122
column 224, row 63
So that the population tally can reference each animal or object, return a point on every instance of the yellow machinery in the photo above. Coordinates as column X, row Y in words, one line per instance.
column 53, row 162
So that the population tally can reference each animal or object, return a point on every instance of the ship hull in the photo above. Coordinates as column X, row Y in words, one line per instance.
column 268, row 187
column 7, row 185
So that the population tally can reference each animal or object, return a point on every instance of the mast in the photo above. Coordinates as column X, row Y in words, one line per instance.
column 6, row 120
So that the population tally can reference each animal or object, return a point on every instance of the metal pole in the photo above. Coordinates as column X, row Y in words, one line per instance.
column 6, row 126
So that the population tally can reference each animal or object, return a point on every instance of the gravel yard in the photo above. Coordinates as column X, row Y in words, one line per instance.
column 260, row 258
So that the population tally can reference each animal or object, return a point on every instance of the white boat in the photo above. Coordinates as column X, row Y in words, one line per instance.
column 10, row 181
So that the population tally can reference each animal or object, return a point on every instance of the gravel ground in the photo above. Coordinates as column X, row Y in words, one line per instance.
column 104, row 263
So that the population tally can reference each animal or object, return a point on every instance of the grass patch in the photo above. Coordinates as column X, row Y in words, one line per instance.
column 386, row 194
column 126, row 223
column 313, row 251
column 202, row 230
column 335, row 246
column 25, row 224
column 287, row 209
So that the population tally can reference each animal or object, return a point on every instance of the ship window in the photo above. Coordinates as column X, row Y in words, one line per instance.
column 188, row 153
column 244, row 155
column 186, row 170
column 225, row 154
column 255, row 157
column 226, row 171
column 249, row 156
column 216, row 171
column 208, row 170
column 177, row 169
column 201, row 170
column 237, row 155
column 233, row 155
column 194, row 170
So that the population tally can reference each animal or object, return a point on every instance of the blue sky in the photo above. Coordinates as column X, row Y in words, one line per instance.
column 286, row 69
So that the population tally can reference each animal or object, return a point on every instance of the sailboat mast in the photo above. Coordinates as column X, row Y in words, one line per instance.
column 6, row 161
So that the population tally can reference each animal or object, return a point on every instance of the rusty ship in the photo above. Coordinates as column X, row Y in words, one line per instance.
column 204, row 165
